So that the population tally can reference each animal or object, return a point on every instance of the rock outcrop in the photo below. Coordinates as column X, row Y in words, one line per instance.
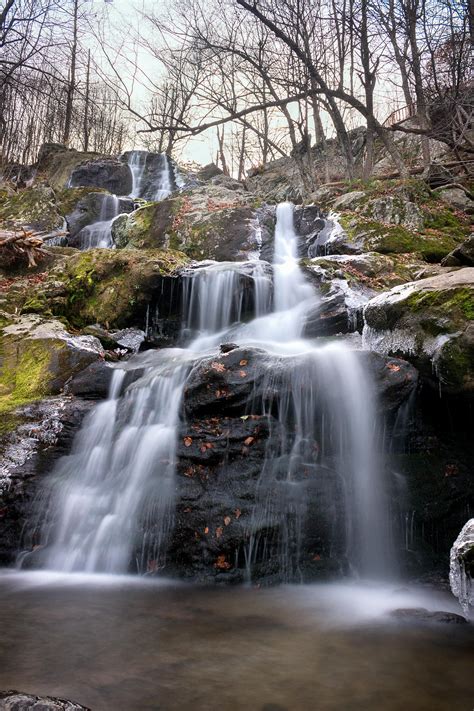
column 430, row 323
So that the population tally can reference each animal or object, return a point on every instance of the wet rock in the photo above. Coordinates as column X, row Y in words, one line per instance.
column 461, row 256
column 428, row 322
column 31, row 440
column 420, row 614
column 108, row 173
column 92, row 383
column 18, row 701
column 461, row 573
column 90, row 209
column 112, row 288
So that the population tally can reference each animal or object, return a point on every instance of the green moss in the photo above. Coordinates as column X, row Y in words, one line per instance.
column 67, row 198
column 34, row 207
column 24, row 378
column 457, row 303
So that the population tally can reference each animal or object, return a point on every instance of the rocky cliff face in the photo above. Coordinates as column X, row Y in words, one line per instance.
column 378, row 270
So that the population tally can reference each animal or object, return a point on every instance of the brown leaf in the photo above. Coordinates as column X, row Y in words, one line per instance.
column 249, row 441
column 221, row 563
column 227, row 520
column 242, row 373
column 206, row 530
column 243, row 362
column 238, row 513
column 393, row 367
column 218, row 367
column 219, row 531
column 187, row 441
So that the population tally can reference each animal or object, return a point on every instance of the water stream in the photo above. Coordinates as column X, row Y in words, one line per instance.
column 109, row 505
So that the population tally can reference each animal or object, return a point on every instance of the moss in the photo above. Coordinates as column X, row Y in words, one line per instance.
column 67, row 198
column 445, row 221
column 455, row 364
column 34, row 207
column 458, row 303
column 24, row 379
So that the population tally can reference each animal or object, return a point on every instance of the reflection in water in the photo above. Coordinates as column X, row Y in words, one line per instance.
column 124, row 644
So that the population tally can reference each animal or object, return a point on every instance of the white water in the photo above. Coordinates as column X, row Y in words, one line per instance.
column 154, row 183
column 113, row 497
column 99, row 234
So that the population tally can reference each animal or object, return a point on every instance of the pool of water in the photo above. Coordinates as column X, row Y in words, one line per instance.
column 120, row 644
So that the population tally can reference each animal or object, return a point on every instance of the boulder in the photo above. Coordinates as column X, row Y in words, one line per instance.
column 108, row 173
column 33, row 208
column 92, row 383
column 94, row 207
column 39, row 357
column 393, row 211
column 18, row 701
column 428, row 322
column 461, row 573
column 109, row 287
column 462, row 255
column 457, row 198
column 349, row 201
column 207, row 222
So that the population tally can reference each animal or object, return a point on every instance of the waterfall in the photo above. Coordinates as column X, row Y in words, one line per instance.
column 111, row 501
column 99, row 234
column 153, row 176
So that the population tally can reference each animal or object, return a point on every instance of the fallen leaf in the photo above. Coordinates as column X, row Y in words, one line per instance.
column 206, row 530
column 227, row 520
column 394, row 368
column 316, row 556
column 242, row 373
column 221, row 563
column 244, row 417
column 187, row 441
column 243, row 362
column 219, row 531
column 249, row 441
column 238, row 513
column 218, row 367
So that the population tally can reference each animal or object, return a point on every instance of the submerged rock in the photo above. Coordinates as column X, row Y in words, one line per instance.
column 18, row 701
column 420, row 614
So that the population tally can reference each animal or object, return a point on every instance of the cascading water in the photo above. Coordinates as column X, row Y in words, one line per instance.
column 99, row 234
column 112, row 500
column 152, row 175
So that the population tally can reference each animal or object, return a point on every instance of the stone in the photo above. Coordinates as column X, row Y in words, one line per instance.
column 39, row 357
column 395, row 211
column 210, row 221
column 428, row 322
column 107, row 173
column 92, row 383
column 462, row 255
column 88, row 210
column 420, row 614
column 33, row 208
column 457, row 198
column 18, row 701
column 349, row 201
column 461, row 573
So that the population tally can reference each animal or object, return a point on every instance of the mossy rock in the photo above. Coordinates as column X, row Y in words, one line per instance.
column 104, row 286
column 207, row 222
column 35, row 208
column 365, row 235
column 38, row 357
column 429, row 322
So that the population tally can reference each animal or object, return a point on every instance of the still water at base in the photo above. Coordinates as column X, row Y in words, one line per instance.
column 122, row 644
